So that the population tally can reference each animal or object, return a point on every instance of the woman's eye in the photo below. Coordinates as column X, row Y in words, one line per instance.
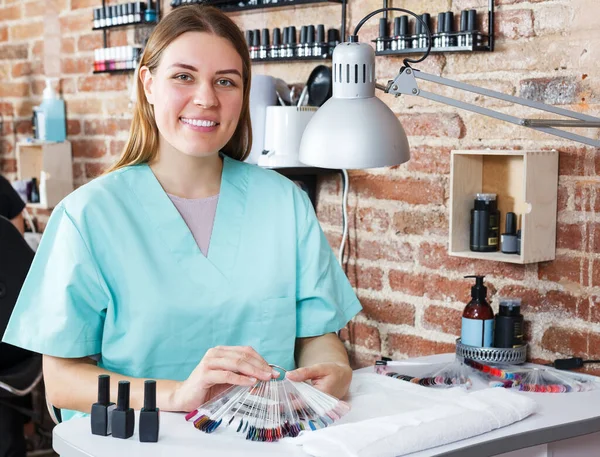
column 225, row 83
column 183, row 77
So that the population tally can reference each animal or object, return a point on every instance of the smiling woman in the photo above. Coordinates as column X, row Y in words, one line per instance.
column 183, row 263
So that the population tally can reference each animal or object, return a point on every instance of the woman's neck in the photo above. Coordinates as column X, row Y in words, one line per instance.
column 187, row 176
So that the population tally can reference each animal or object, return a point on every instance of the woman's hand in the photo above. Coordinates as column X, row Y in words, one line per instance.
column 329, row 377
column 220, row 368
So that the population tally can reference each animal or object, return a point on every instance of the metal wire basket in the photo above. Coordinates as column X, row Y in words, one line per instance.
column 491, row 355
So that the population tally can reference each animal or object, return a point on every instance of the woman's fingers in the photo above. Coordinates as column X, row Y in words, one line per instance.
column 216, row 377
column 240, row 361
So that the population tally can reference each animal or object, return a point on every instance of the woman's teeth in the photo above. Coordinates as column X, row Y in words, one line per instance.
column 198, row 122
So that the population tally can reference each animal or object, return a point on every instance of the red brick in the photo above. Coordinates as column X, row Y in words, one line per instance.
column 565, row 269
column 38, row 86
column 106, row 127
column 38, row 8
column 26, row 31
column 407, row 282
column 442, row 288
column 10, row 89
column 76, row 22
column 551, row 302
column 596, row 272
column 91, row 149
column 362, row 335
column 38, row 49
column 8, row 165
column 414, row 346
column 68, row 85
column 428, row 222
column 77, row 170
column 433, row 125
column 76, row 4
column 569, row 236
column 514, row 24
column 594, row 301
column 572, row 343
column 3, row 34
column 7, row 128
column 444, row 319
column 372, row 220
column 562, row 198
column 67, row 45
column 571, row 161
column 553, row 91
column 26, row 69
column 13, row 51
column 116, row 148
column 24, row 127
column 100, row 83
column 73, row 127
column 388, row 312
column 10, row 13
column 119, row 38
column 428, row 159
column 89, row 42
column 77, row 65
column 585, row 192
column 84, row 106
column 365, row 277
column 6, row 147
column 6, row 109
column 395, row 251
column 415, row 191
column 24, row 108
column 95, row 169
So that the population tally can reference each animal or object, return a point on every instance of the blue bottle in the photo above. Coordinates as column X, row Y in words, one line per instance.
column 51, row 116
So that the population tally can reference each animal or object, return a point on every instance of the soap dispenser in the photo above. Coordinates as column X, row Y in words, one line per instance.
column 478, row 317
column 53, row 119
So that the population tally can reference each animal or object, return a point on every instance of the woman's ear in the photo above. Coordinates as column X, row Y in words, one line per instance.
column 147, row 81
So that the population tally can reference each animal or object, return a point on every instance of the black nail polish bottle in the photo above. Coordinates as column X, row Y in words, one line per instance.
column 149, row 415
column 102, row 411
column 123, row 420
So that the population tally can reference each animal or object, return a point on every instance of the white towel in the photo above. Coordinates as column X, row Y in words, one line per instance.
column 390, row 418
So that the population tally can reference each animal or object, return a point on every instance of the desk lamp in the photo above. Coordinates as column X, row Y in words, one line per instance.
column 354, row 129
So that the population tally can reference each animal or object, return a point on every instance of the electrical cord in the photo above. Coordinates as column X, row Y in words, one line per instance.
column 570, row 363
column 345, row 185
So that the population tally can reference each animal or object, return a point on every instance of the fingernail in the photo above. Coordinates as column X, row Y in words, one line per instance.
column 252, row 380
column 276, row 373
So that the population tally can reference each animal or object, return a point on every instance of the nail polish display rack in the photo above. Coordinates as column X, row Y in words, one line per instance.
column 446, row 38
column 125, row 21
column 229, row 6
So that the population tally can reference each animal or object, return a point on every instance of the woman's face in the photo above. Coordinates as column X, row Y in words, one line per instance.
column 197, row 93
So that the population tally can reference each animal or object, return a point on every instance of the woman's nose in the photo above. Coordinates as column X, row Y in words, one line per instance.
column 205, row 96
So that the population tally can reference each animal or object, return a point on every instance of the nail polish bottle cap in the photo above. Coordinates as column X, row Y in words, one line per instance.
column 123, row 396
column 256, row 38
column 96, row 14
column 383, row 25
column 277, row 36
column 440, row 22
column 418, row 27
column 292, row 35
column 403, row 25
column 320, row 33
column 472, row 21
column 449, row 22
column 149, row 395
column 249, row 37
column 103, row 380
column 101, row 13
column 332, row 35
column 303, row 31
column 511, row 223
column 427, row 19
column 265, row 37
column 129, row 8
column 310, row 34
column 138, row 7
column 396, row 26
column 464, row 19
column 286, row 35
column 114, row 10
column 107, row 12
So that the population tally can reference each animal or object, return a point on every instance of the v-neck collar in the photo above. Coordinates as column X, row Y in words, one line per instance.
column 173, row 231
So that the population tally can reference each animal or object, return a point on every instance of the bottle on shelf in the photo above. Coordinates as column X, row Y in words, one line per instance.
column 477, row 327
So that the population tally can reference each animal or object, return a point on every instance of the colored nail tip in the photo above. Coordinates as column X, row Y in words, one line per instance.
column 191, row 414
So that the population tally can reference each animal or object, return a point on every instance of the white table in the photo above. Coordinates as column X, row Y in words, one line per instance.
column 566, row 425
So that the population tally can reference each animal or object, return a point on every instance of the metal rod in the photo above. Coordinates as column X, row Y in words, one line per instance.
column 385, row 5
column 344, row 3
column 104, row 38
column 559, row 123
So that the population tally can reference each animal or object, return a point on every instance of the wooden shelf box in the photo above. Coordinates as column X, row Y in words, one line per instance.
column 526, row 183
column 51, row 164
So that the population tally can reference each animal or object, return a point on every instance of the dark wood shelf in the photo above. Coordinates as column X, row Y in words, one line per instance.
column 403, row 52
column 279, row 4
column 115, row 72
column 119, row 26
column 293, row 59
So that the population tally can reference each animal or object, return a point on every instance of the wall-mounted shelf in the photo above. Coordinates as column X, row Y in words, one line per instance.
column 51, row 164
column 120, row 26
column 403, row 52
column 228, row 7
column 115, row 72
column 526, row 183
column 293, row 59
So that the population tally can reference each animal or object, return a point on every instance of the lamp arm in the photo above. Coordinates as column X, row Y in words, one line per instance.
column 406, row 83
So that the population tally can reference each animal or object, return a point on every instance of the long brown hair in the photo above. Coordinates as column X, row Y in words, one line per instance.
column 142, row 145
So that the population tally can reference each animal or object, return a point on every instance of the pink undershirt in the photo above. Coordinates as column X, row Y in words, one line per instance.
column 199, row 215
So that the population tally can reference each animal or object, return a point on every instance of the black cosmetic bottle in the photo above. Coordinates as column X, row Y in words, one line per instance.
column 149, row 415
column 508, row 328
column 485, row 221
column 123, row 419
column 102, row 411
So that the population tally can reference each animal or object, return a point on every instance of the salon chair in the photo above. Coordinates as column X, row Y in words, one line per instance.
column 20, row 370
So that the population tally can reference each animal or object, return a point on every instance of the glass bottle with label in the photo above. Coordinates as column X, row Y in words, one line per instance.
column 477, row 327
column 485, row 222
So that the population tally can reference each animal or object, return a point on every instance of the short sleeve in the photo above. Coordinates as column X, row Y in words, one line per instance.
column 61, row 307
column 325, row 300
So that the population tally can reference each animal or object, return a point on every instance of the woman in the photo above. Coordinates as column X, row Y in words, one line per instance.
column 133, row 270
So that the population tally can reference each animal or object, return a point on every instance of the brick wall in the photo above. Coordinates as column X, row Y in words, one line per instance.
column 411, row 290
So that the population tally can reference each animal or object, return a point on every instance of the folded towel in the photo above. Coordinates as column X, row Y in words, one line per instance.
column 391, row 418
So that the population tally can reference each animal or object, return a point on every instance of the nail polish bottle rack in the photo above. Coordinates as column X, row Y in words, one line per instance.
column 138, row 19
column 229, row 6
column 471, row 40
column 119, row 15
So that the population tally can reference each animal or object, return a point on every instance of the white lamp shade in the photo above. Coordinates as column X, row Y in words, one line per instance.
column 354, row 129
column 348, row 133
